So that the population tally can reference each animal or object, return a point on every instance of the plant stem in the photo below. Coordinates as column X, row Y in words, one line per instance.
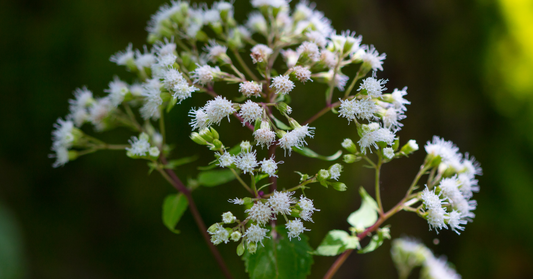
column 162, row 127
column 176, row 182
column 378, row 191
column 242, row 181
column 244, row 66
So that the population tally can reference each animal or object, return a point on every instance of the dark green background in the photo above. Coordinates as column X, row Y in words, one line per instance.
column 100, row 216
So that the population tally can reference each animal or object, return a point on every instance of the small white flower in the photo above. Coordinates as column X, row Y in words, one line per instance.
column 139, row 146
column 455, row 221
column 471, row 166
column 430, row 199
column 264, row 136
column 255, row 234
column 329, row 59
column 260, row 53
column 335, row 171
column 371, row 136
column 235, row 236
column 214, row 50
column 225, row 160
column 290, row 56
column 445, row 149
column 83, row 98
column 465, row 207
column 303, row 74
column 373, row 59
column 340, row 80
column 449, row 189
column 61, row 155
column 388, row 153
column 182, row 90
column 436, row 218
column 154, row 151
column 157, row 21
column 228, row 217
column 257, row 23
column 236, row 201
column 307, row 207
column 295, row 228
column 438, row 268
column 282, row 84
column 123, row 57
column 165, row 47
column 270, row 166
column 295, row 138
column 392, row 117
column 211, row 16
column 363, row 109
column 272, row 3
column 280, row 202
column 250, row 88
column 219, row 235
column 218, row 108
column 250, row 111
column 260, row 213
column 468, row 185
column 152, row 99
column 62, row 135
column 117, row 90
column 205, row 74
column 316, row 37
column 310, row 49
column 144, row 60
column 171, row 78
column 99, row 111
column 200, row 119
column 246, row 161
column 397, row 99
column 373, row 86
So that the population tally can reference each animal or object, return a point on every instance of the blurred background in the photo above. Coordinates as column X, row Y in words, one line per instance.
column 469, row 69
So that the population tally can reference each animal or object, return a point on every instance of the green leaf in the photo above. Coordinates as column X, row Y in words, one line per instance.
column 367, row 214
column 376, row 240
column 215, row 177
column 260, row 177
column 280, row 124
column 12, row 258
column 312, row 154
column 174, row 206
column 336, row 242
column 280, row 258
column 235, row 150
column 182, row 161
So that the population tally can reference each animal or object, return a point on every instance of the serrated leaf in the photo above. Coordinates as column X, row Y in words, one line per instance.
column 280, row 258
column 182, row 161
column 174, row 206
column 336, row 242
column 215, row 177
column 312, row 154
column 376, row 241
column 367, row 214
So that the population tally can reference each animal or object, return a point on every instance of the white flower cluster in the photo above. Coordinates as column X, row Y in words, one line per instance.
column 452, row 206
column 408, row 254
column 259, row 215
column 141, row 147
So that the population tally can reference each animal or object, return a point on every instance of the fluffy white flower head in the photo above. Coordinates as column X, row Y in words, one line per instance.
column 373, row 59
column 430, row 199
column 308, row 208
column 264, row 136
column 200, row 119
column 205, row 74
column 269, row 166
column 437, row 219
column 123, row 57
column 303, row 74
column 388, row 152
column 295, row 228
column 246, row 161
column 219, row 235
column 373, row 86
column 280, row 202
column 398, row 100
column 228, row 217
column 215, row 51
column 250, row 111
column 260, row 53
column 372, row 134
column 139, row 146
column 250, row 88
column 310, row 49
column 260, row 213
column 225, row 160
column 335, row 171
column 282, row 84
column 363, row 109
column 255, row 234
column 218, row 108
column 456, row 221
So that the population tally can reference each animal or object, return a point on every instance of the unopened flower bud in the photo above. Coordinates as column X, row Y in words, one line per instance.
column 228, row 218
column 198, row 139
column 246, row 146
column 240, row 249
column 350, row 158
column 207, row 135
column 154, row 152
column 323, row 175
column 410, row 147
column 349, row 145
column 235, row 236
column 214, row 133
column 339, row 186
column 213, row 228
column 252, row 247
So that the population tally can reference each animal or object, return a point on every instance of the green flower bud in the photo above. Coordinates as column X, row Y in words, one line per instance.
column 246, row 146
column 323, row 175
column 349, row 145
column 213, row 228
column 240, row 249
column 214, row 133
column 409, row 147
column 339, row 186
column 207, row 135
column 350, row 158
column 198, row 139
column 252, row 247
column 235, row 236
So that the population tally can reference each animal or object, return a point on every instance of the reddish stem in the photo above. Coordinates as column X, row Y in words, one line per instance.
column 176, row 182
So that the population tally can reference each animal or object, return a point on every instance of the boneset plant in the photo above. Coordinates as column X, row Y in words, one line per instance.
column 194, row 48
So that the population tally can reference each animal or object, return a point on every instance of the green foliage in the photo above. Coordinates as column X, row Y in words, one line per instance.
column 174, row 206
column 215, row 177
column 280, row 258
column 336, row 242
column 367, row 214
column 376, row 241
column 312, row 154
column 172, row 164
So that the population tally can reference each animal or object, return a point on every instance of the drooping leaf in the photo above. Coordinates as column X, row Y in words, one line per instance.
column 367, row 214
column 336, row 242
column 213, row 178
column 376, row 241
column 182, row 161
column 174, row 206
column 312, row 154
column 280, row 258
